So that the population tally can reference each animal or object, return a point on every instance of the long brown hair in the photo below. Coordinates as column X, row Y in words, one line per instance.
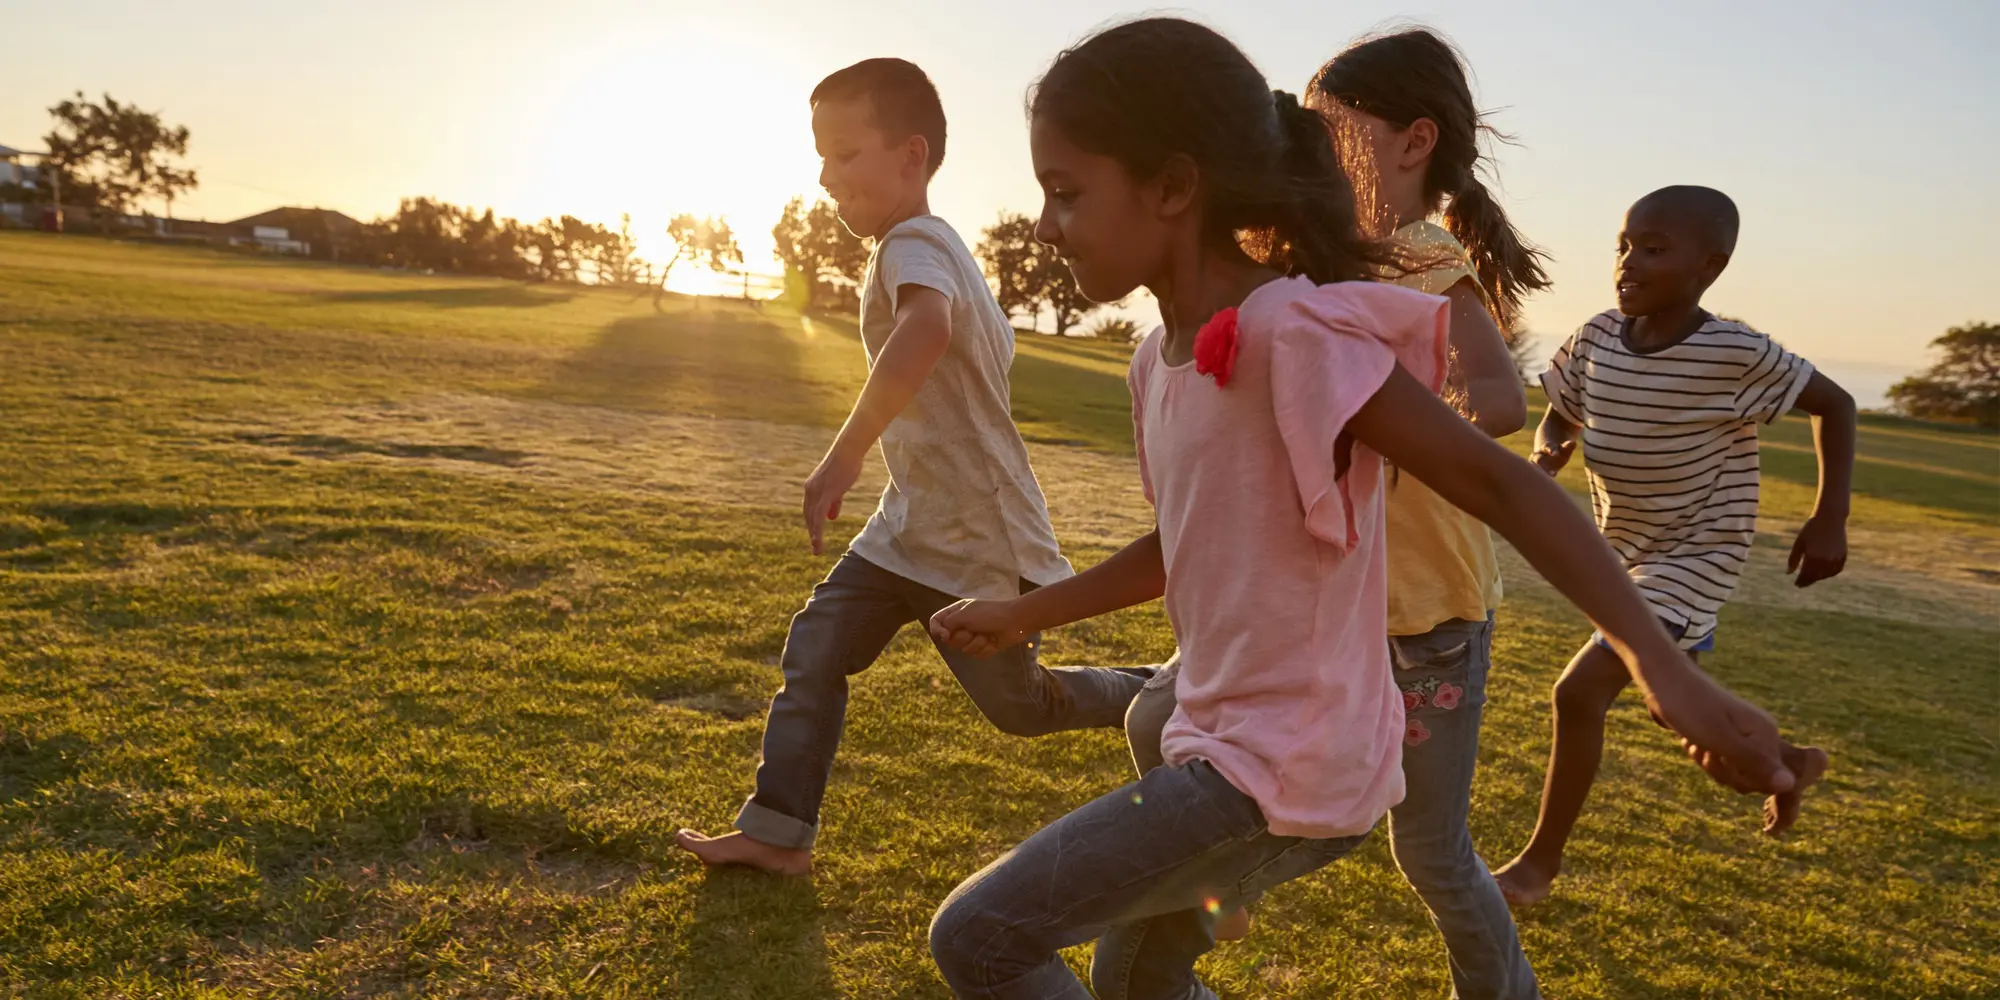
column 1414, row 73
column 1145, row 91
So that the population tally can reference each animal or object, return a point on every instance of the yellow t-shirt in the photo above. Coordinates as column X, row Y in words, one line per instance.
column 1441, row 560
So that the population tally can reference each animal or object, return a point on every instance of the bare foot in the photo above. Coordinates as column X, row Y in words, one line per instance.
column 1808, row 765
column 1234, row 925
column 1525, row 882
column 741, row 849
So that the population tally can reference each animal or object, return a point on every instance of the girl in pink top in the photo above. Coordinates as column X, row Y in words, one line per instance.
column 1264, row 409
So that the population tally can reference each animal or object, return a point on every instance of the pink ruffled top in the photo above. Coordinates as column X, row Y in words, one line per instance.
column 1276, row 583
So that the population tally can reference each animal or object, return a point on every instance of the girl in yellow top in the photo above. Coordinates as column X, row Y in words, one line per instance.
column 1409, row 132
column 1401, row 105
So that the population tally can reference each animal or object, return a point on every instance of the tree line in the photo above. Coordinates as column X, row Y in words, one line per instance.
column 108, row 156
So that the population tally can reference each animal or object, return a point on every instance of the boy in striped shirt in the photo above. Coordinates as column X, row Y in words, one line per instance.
column 1666, row 399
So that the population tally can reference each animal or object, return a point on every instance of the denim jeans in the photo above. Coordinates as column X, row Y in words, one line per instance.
column 844, row 626
column 1442, row 674
column 1142, row 870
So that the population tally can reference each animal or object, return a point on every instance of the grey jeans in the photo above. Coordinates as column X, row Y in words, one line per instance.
column 1442, row 674
column 844, row 626
column 1143, row 870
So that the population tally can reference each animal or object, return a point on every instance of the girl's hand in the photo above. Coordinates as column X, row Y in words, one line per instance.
column 1551, row 458
column 1734, row 741
column 978, row 628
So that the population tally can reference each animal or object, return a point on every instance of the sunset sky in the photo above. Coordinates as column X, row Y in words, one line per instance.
column 1860, row 140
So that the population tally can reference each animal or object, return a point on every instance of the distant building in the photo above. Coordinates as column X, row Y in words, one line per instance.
column 312, row 232
column 16, row 179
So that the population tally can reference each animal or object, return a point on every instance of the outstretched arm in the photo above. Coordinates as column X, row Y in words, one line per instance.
column 919, row 339
column 1821, row 549
column 1484, row 367
column 1135, row 575
column 1412, row 428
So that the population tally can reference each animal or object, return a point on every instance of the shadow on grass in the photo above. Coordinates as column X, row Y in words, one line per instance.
column 1918, row 487
column 755, row 935
column 1058, row 403
column 507, row 296
column 710, row 362
column 30, row 764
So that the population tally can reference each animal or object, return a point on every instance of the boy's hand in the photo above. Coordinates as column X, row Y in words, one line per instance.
column 1820, row 551
column 825, row 489
column 978, row 628
column 1734, row 741
column 1551, row 458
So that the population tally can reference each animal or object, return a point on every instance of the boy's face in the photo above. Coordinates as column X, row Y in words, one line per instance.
column 870, row 179
column 1663, row 262
column 1095, row 215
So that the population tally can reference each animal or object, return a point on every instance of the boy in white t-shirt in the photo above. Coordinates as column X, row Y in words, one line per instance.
column 962, row 517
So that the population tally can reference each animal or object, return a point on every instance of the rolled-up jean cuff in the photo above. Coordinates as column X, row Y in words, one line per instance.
column 772, row 827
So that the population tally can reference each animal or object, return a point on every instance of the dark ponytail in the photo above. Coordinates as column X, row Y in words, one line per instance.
column 1148, row 90
column 1414, row 74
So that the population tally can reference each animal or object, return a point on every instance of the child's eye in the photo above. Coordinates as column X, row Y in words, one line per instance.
column 1063, row 196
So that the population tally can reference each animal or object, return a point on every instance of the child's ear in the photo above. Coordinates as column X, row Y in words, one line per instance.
column 1713, row 267
column 917, row 155
column 1420, row 140
column 1176, row 185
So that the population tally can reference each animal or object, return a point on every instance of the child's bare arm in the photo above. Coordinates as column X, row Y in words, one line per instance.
column 919, row 339
column 1492, row 386
column 1135, row 575
column 1821, row 549
column 1412, row 428
column 1555, row 442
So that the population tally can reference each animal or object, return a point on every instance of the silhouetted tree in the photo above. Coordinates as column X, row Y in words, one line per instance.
column 815, row 243
column 1010, row 252
column 1964, row 384
column 110, row 155
column 1064, row 298
column 1117, row 329
column 707, row 241
column 1029, row 274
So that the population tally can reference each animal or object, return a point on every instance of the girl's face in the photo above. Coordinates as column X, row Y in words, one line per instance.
column 1106, row 225
column 1388, row 165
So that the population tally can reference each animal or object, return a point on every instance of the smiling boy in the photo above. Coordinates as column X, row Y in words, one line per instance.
column 962, row 516
column 1666, row 398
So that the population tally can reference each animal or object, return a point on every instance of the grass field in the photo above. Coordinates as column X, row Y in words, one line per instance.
column 369, row 635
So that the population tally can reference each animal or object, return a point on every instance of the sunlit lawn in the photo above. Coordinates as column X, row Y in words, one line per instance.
column 296, row 713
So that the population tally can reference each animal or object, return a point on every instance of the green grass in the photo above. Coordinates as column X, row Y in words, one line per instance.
column 315, row 714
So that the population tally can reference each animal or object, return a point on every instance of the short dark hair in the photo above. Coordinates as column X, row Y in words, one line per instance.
column 1709, row 212
column 904, row 101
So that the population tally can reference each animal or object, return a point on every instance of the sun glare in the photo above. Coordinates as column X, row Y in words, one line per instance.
column 722, row 131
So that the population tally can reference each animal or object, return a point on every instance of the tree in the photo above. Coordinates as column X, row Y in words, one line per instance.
column 1059, row 289
column 1029, row 274
column 1962, row 385
column 1117, row 329
column 708, row 242
column 1008, row 249
column 110, row 155
column 618, row 261
column 815, row 243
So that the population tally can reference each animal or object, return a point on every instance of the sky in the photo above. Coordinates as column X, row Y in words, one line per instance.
column 1859, row 139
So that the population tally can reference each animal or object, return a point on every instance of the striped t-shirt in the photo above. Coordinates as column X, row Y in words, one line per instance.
column 1670, row 446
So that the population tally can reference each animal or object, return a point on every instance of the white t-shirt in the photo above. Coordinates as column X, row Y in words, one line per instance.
column 962, row 513
column 1670, row 446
